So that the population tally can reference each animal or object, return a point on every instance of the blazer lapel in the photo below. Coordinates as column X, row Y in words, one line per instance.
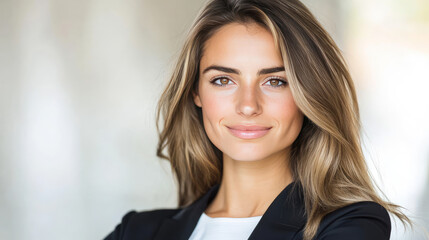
column 182, row 224
column 283, row 219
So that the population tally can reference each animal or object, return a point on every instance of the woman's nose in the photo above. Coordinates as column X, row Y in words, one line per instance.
column 249, row 101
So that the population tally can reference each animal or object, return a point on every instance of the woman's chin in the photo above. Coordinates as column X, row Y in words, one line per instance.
column 248, row 156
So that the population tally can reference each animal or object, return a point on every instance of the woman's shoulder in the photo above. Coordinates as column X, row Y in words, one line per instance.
column 130, row 225
column 360, row 220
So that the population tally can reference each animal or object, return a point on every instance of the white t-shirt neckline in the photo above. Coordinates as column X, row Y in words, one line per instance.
column 225, row 228
column 231, row 219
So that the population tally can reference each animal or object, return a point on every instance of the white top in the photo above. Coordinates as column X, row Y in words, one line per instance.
column 209, row 228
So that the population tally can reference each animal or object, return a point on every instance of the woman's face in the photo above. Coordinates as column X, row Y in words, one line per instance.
column 242, row 83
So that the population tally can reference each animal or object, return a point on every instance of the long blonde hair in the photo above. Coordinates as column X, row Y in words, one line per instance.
column 326, row 158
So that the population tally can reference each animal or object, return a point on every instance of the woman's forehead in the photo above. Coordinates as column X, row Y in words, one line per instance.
column 240, row 46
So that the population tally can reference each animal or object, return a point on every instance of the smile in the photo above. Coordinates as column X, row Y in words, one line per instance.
column 248, row 134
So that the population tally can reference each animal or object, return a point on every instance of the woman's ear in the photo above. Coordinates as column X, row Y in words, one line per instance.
column 197, row 99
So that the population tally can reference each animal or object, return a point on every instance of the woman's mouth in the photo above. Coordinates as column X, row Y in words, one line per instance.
column 248, row 132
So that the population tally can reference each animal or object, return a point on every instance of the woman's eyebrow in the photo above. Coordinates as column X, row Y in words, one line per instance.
column 236, row 71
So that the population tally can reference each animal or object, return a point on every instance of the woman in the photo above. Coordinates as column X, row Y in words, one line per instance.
column 261, row 124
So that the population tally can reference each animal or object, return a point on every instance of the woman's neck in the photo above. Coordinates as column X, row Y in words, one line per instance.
column 248, row 187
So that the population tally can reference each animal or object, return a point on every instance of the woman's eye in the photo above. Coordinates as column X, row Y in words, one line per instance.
column 277, row 82
column 221, row 81
column 273, row 82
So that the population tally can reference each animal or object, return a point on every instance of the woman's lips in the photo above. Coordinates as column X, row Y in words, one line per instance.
column 248, row 132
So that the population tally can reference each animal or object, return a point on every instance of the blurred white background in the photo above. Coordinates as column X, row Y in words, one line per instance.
column 79, row 82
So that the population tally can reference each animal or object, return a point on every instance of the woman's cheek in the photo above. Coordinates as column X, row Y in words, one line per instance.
column 214, row 108
column 217, row 108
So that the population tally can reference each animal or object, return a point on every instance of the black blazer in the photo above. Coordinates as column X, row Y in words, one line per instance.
column 284, row 219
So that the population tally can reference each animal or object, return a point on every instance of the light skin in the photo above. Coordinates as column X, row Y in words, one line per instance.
column 255, row 171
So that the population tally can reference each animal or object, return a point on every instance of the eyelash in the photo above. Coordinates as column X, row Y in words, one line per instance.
column 284, row 82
